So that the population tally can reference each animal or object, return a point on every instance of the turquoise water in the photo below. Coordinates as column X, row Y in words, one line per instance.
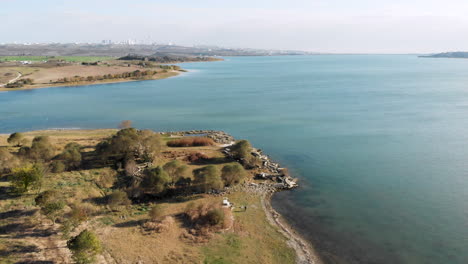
column 380, row 143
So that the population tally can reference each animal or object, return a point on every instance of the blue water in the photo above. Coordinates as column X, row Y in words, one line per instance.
column 380, row 143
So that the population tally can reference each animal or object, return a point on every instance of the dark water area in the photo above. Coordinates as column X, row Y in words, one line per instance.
column 379, row 142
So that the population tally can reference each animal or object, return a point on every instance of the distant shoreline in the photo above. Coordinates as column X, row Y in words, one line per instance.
column 85, row 83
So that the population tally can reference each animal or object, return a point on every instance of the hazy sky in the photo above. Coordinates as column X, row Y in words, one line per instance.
column 377, row 26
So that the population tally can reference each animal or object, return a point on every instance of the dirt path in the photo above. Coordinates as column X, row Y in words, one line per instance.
column 50, row 248
column 12, row 80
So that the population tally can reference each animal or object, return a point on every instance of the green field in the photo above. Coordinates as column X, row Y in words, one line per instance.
column 65, row 58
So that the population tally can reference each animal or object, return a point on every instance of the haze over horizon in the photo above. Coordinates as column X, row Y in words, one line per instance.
column 334, row 26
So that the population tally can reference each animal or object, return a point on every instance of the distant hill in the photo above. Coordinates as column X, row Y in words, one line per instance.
column 456, row 54
column 119, row 50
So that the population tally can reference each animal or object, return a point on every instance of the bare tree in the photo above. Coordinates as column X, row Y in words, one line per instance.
column 125, row 124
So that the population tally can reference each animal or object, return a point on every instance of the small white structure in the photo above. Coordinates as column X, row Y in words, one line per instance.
column 226, row 202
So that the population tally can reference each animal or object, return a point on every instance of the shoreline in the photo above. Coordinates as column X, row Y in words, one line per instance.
column 41, row 86
column 305, row 253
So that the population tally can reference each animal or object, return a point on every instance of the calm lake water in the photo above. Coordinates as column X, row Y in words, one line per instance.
column 380, row 143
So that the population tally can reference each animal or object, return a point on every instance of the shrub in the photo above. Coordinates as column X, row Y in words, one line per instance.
column 77, row 215
column 106, row 178
column 197, row 157
column 15, row 139
column 80, row 212
column 191, row 142
column 242, row 151
column 160, row 226
column 28, row 177
column 41, row 149
column 215, row 216
column 156, row 180
column 7, row 161
column 118, row 199
column 57, row 166
column 46, row 197
column 176, row 170
column 71, row 156
column 52, row 209
column 204, row 214
column 233, row 174
column 84, row 247
column 208, row 178
column 156, row 212
column 50, row 203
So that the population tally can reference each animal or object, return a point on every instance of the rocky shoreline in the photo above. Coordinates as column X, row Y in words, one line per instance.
column 273, row 179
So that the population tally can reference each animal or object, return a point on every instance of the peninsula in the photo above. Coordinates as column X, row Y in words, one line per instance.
column 455, row 55
column 31, row 72
column 128, row 196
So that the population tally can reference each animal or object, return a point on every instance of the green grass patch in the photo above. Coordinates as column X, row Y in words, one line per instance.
column 225, row 250
column 64, row 58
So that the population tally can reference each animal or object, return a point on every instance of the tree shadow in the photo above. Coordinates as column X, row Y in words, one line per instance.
column 7, row 193
column 17, row 213
column 13, row 227
column 212, row 161
column 131, row 223
column 18, row 249
column 36, row 233
column 92, row 160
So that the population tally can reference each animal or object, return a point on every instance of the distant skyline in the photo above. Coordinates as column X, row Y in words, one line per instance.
column 336, row 26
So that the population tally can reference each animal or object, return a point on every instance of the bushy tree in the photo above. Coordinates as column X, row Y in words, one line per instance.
column 125, row 124
column 176, row 170
column 84, row 247
column 8, row 161
column 156, row 212
column 71, row 156
column 106, row 178
column 28, row 177
column 46, row 197
column 129, row 143
column 41, row 149
column 16, row 139
column 215, row 216
column 233, row 174
column 242, row 151
column 155, row 180
column 53, row 210
column 208, row 178
column 57, row 166
column 118, row 199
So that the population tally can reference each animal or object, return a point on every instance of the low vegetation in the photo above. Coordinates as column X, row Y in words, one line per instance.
column 136, row 75
column 191, row 142
column 20, row 83
column 84, row 247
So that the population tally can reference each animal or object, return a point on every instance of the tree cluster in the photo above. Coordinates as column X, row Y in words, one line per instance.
column 20, row 83
column 242, row 151
column 131, row 144
column 137, row 74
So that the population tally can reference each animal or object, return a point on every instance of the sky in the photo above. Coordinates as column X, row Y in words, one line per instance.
column 336, row 26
